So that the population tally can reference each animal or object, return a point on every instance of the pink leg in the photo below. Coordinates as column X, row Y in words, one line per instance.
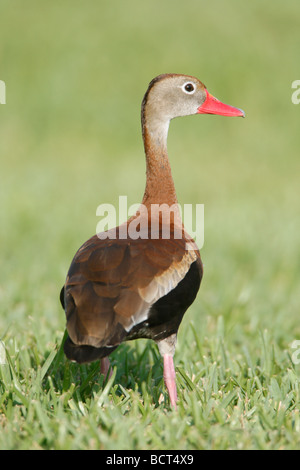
column 169, row 378
column 105, row 367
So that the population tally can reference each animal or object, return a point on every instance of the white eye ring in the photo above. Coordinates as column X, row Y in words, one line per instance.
column 189, row 88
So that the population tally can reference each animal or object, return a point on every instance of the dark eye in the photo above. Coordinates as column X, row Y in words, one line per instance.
column 189, row 87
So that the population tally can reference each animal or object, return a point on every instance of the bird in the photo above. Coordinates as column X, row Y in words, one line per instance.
column 138, row 280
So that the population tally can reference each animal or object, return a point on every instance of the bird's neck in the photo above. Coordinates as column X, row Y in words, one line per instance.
column 160, row 187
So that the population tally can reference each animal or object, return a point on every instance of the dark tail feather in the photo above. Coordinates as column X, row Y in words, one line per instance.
column 62, row 297
column 84, row 353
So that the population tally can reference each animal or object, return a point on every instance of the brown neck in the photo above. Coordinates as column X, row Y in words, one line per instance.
column 160, row 187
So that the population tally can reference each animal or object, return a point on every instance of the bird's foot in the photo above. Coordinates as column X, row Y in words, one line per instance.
column 105, row 368
column 170, row 379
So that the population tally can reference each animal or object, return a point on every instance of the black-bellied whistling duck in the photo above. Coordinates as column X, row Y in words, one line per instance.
column 120, row 287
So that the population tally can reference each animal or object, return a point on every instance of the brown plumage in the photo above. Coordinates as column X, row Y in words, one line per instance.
column 134, row 287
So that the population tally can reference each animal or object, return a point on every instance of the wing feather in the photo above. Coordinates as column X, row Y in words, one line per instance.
column 112, row 284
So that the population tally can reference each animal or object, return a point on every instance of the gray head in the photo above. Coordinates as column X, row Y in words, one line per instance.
column 172, row 95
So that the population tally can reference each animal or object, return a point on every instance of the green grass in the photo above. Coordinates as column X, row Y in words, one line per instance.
column 225, row 401
column 70, row 140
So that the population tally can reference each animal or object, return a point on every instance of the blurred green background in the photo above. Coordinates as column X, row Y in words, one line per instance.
column 75, row 75
column 70, row 139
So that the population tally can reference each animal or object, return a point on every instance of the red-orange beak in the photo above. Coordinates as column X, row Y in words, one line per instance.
column 213, row 106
